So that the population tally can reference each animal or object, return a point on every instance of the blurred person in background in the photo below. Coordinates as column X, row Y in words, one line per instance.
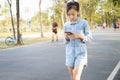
column 54, row 31
column 115, row 24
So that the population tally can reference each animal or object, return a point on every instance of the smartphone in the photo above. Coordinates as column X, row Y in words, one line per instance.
column 70, row 33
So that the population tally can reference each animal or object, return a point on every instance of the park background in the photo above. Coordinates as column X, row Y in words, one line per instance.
column 33, row 19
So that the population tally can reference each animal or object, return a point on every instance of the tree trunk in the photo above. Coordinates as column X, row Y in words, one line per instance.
column 62, row 19
column 18, row 16
column 91, row 26
column 65, row 12
column 80, row 10
column 41, row 29
column 10, row 4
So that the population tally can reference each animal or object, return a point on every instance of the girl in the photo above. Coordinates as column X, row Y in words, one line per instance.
column 76, row 35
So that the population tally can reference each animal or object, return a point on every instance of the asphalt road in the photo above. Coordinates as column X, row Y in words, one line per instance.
column 46, row 61
column 117, row 76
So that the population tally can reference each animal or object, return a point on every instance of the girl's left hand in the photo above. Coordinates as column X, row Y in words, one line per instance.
column 75, row 35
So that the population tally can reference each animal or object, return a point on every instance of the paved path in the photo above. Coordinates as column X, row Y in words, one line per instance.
column 45, row 61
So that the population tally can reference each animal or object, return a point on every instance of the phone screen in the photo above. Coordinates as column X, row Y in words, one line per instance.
column 69, row 32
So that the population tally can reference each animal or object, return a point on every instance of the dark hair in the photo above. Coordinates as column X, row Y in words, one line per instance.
column 72, row 5
column 85, row 18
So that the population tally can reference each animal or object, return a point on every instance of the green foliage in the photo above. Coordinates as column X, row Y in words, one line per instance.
column 58, row 10
column 107, row 11
column 35, row 22
column 5, row 9
column 99, row 11
column 116, row 3
column 88, row 10
column 96, row 11
column 0, row 23
column 36, row 19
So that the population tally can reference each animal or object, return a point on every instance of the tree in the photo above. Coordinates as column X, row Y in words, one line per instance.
column 10, row 4
column 59, row 11
column 108, row 11
column 88, row 9
column 4, row 13
column 116, row 4
column 0, row 10
column 45, row 22
column 41, row 29
column 18, row 22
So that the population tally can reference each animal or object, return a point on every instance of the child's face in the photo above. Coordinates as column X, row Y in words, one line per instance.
column 73, row 15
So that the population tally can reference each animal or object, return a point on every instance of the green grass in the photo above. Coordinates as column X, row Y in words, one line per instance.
column 30, row 41
column 36, row 40
column 3, row 46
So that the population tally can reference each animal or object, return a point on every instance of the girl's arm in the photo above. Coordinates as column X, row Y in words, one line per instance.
column 66, row 38
column 87, row 36
column 87, row 33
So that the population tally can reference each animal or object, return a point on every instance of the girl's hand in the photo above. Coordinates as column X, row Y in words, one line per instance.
column 67, row 37
column 75, row 36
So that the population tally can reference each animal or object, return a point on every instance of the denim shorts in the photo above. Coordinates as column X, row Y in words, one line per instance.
column 76, row 55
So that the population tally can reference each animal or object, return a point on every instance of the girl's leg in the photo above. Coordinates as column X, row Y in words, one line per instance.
column 71, row 70
column 78, row 71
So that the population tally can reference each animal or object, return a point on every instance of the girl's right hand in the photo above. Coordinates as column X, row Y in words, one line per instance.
column 67, row 37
